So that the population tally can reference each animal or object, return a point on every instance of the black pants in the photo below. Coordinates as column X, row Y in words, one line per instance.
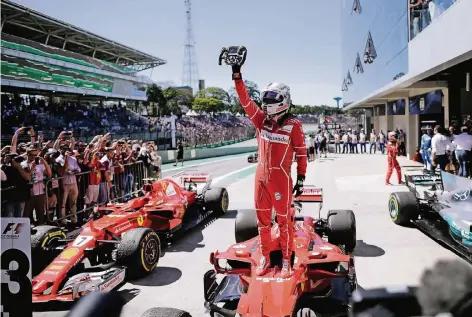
column 442, row 161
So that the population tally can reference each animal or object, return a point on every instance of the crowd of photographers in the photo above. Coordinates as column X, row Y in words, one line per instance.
column 62, row 181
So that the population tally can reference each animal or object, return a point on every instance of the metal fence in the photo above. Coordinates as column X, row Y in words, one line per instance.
column 72, row 202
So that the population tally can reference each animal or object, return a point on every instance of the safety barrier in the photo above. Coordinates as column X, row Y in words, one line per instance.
column 64, row 201
column 194, row 154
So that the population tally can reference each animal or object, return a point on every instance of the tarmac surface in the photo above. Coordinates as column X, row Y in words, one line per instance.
column 386, row 254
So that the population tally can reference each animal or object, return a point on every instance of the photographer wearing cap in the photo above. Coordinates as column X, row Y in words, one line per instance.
column 17, row 183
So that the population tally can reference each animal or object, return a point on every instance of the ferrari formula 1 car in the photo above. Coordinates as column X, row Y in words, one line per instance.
column 439, row 205
column 252, row 158
column 323, row 274
column 123, row 239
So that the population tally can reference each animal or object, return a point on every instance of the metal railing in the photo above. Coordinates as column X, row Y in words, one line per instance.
column 126, row 184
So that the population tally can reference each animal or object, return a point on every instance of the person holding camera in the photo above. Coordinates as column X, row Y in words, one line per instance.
column 280, row 137
column 38, row 167
column 69, row 183
column 16, row 186
column 392, row 162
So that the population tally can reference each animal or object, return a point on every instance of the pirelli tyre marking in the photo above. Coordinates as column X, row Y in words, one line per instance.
column 150, row 251
column 56, row 234
column 393, row 207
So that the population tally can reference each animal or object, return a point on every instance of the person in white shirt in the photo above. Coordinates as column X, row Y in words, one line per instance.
column 463, row 146
column 382, row 141
column 39, row 167
column 362, row 138
column 355, row 140
column 345, row 139
column 337, row 142
column 373, row 141
column 312, row 148
column 439, row 145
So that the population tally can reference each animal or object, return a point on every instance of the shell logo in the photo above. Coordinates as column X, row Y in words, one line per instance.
column 140, row 220
column 69, row 253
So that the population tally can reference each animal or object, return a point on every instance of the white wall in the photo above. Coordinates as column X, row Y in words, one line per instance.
column 444, row 39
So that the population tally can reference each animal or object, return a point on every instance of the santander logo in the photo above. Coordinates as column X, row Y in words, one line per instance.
column 275, row 137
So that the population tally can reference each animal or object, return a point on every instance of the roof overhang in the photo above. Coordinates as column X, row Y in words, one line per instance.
column 23, row 22
column 408, row 85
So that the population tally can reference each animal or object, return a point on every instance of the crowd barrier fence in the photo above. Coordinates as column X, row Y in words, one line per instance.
column 126, row 184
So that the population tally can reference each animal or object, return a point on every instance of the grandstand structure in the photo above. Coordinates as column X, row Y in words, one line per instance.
column 43, row 55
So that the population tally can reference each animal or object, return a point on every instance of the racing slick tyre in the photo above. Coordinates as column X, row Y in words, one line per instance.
column 165, row 312
column 217, row 199
column 403, row 207
column 43, row 238
column 139, row 250
column 245, row 225
column 342, row 229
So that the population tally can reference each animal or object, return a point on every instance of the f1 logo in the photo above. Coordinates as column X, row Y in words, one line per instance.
column 14, row 228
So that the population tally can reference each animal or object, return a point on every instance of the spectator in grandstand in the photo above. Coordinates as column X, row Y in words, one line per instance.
column 337, row 141
column 180, row 153
column 39, row 168
column 106, row 164
column 16, row 187
column 373, row 142
column 463, row 148
column 70, row 190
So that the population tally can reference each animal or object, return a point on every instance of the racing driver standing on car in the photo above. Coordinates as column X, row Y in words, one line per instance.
column 280, row 135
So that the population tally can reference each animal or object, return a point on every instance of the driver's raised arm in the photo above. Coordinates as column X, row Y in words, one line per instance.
column 250, row 107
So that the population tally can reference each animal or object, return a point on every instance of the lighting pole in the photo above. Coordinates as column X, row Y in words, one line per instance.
column 337, row 100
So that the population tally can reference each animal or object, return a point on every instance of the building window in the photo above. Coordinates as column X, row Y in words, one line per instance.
column 356, row 7
column 348, row 78
column 358, row 65
column 344, row 85
column 369, row 53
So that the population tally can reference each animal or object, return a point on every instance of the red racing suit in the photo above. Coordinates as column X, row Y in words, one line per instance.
column 392, row 163
column 273, row 182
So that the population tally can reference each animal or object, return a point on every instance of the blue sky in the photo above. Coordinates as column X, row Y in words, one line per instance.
column 296, row 42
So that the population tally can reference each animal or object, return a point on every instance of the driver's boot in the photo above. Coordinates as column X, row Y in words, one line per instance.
column 264, row 264
column 286, row 271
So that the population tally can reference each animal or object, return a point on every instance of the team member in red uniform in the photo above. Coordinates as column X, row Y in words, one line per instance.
column 280, row 135
column 392, row 163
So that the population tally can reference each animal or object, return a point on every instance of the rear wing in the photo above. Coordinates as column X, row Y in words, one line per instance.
column 310, row 194
column 193, row 176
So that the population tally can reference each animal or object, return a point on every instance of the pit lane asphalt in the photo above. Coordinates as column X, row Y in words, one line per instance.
column 386, row 254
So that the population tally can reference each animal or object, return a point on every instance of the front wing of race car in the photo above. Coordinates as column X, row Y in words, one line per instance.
column 81, row 284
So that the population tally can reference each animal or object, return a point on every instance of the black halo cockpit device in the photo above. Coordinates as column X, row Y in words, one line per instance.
column 233, row 55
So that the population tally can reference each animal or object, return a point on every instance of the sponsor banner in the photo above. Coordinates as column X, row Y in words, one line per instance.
column 430, row 103
column 275, row 137
column 396, row 108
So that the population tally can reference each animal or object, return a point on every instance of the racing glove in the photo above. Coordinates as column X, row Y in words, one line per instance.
column 236, row 72
column 297, row 189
